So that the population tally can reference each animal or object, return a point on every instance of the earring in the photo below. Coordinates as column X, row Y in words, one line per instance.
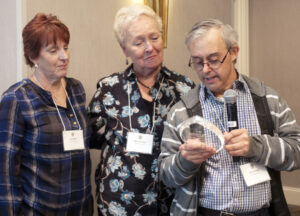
column 36, row 66
column 126, row 61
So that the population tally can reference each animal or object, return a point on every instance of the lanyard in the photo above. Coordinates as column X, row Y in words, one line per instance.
column 72, row 110
column 56, row 104
column 129, row 89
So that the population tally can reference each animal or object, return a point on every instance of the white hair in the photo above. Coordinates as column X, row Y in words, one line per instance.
column 229, row 35
column 127, row 15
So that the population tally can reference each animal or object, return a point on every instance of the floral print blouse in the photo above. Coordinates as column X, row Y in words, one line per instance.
column 127, row 182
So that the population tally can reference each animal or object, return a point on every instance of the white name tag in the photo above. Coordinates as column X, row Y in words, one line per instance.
column 140, row 143
column 254, row 174
column 231, row 124
column 73, row 140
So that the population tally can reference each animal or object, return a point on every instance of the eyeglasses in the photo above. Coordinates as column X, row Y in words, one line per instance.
column 212, row 63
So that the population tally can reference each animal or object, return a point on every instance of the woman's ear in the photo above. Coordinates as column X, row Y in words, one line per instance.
column 34, row 61
column 124, row 49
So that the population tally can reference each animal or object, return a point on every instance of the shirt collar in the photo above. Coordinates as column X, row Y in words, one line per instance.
column 239, row 85
column 130, row 75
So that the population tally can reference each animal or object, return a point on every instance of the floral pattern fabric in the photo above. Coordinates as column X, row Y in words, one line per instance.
column 127, row 182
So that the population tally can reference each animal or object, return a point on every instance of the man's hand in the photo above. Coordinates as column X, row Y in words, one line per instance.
column 195, row 151
column 237, row 142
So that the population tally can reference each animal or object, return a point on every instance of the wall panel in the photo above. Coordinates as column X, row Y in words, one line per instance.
column 274, row 54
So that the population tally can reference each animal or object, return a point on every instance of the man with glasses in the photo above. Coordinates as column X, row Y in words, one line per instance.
column 266, row 141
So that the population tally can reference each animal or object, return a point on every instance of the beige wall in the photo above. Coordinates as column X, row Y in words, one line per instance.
column 274, row 54
column 8, row 43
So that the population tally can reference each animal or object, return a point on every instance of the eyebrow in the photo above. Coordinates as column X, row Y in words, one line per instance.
column 209, row 56
column 145, row 36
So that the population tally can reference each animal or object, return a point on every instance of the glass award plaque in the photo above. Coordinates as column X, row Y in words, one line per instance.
column 197, row 127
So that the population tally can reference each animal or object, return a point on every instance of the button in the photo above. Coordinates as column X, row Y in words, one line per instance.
column 71, row 115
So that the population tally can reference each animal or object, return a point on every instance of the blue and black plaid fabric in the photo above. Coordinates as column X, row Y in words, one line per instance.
column 37, row 177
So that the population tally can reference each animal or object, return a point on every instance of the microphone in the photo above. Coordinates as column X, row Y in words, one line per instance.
column 230, row 97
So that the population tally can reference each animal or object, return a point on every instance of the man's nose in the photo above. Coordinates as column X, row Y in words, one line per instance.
column 206, row 67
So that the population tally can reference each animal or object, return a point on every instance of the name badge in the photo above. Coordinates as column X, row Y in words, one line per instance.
column 140, row 143
column 254, row 174
column 73, row 140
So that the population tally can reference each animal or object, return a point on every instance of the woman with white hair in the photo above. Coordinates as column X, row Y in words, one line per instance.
column 127, row 114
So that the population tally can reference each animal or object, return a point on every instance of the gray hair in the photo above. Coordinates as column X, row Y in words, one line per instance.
column 229, row 35
column 126, row 15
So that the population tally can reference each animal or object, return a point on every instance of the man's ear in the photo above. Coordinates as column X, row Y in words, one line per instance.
column 234, row 52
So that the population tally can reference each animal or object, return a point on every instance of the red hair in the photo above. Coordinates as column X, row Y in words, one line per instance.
column 40, row 31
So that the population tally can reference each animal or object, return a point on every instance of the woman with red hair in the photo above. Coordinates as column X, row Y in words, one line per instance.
column 44, row 135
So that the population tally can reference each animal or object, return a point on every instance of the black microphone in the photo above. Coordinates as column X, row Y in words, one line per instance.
column 230, row 97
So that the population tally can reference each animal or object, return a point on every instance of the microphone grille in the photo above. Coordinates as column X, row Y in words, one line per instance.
column 230, row 96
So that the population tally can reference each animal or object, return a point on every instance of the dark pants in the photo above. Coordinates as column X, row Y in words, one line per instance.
column 262, row 212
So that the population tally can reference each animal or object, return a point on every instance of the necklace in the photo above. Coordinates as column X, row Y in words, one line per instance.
column 52, row 94
column 150, row 88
